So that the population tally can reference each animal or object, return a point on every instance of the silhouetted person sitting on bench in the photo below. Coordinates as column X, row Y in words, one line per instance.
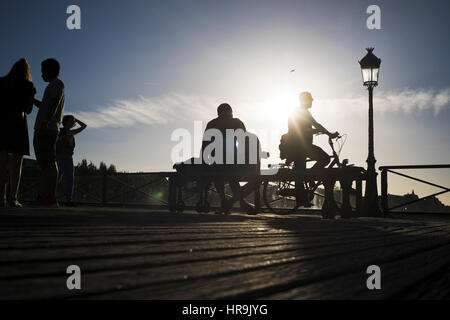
column 223, row 122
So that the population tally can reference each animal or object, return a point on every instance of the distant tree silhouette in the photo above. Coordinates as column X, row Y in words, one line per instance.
column 112, row 169
column 84, row 168
column 102, row 167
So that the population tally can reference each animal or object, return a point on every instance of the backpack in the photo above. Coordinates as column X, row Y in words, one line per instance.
column 291, row 149
column 284, row 146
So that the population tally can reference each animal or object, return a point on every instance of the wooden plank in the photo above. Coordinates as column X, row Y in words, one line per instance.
column 280, row 268
column 74, row 249
column 208, row 256
column 126, row 250
column 259, row 280
column 401, row 279
column 53, row 267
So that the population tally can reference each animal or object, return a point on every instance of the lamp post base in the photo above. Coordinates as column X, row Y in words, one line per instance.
column 371, row 207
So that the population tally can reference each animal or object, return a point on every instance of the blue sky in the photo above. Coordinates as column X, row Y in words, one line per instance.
column 138, row 70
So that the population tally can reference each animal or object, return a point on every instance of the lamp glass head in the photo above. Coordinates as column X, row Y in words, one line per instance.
column 370, row 68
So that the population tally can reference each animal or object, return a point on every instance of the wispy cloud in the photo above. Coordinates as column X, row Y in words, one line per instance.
column 410, row 100
column 406, row 100
column 150, row 111
column 175, row 107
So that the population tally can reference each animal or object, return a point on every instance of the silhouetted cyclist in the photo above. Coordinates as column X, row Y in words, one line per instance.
column 302, row 126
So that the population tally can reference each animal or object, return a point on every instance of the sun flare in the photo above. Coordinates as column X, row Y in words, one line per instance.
column 279, row 107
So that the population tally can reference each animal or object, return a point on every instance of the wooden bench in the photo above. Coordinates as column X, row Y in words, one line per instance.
column 203, row 175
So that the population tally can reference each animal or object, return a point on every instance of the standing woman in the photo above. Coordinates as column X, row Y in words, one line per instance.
column 16, row 101
column 65, row 146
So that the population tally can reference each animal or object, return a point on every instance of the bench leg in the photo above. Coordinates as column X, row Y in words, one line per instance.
column 346, row 210
column 202, row 192
column 257, row 196
column 329, row 207
column 359, row 196
column 180, row 203
column 206, row 205
column 172, row 198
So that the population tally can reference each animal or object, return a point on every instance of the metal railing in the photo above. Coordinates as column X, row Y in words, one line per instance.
column 147, row 188
column 152, row 188
column 384, row 184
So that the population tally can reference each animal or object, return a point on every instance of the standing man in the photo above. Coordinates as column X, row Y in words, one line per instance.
column 46, row 128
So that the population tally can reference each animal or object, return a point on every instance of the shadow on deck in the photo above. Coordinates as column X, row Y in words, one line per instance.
column 144, row 254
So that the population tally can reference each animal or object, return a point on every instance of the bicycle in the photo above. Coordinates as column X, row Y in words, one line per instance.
column 283, row 196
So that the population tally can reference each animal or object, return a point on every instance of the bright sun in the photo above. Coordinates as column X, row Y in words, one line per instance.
column 278, row 107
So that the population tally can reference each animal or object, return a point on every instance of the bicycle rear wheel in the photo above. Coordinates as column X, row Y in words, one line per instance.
column 280, row 196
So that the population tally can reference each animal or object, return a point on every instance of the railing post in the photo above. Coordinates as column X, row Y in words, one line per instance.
column 104, row 188
column 359, row 196
column 384, row 191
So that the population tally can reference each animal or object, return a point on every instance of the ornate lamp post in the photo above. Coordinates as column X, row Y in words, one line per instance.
column 370, row 68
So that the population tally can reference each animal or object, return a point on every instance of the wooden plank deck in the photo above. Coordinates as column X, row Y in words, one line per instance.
column 145, row 254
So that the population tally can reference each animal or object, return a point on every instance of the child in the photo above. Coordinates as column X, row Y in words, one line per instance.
column 65, row 146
